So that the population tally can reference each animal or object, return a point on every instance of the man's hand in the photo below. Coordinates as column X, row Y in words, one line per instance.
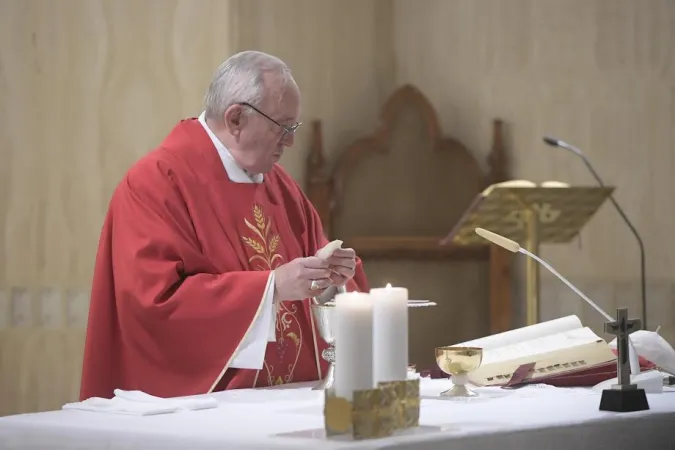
column 342, row 264
column 302, row 278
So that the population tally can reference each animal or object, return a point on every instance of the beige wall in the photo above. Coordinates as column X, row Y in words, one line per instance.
column 87, row 86
column 599, row 74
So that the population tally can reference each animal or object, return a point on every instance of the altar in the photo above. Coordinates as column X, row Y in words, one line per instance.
column 291, row 417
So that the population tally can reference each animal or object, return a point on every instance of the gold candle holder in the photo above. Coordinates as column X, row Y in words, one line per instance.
column 373, row 413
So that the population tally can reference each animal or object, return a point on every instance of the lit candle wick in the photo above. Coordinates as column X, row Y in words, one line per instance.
column 388, row 285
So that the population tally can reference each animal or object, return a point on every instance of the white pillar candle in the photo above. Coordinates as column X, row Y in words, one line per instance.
column 353, row 343
column 390, row 334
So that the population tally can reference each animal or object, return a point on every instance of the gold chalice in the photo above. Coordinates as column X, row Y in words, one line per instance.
column 458, row 362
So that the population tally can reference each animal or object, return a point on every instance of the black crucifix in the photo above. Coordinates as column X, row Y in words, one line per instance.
column 621, row 328
column 624, row 396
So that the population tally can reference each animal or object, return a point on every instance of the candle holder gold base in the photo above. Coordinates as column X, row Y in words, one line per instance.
column 373, row 413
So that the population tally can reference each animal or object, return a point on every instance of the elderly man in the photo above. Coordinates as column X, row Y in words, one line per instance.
column 206, row 262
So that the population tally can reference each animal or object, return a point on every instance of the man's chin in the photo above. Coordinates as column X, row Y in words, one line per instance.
column 269, row 164
column 267, row 167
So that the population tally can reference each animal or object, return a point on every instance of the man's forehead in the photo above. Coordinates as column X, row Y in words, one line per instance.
column 284, row 100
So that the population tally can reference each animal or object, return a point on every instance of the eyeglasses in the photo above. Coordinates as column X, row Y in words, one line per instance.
column 287, row 129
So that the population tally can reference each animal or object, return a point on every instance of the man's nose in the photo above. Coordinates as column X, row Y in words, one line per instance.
column 288, row 139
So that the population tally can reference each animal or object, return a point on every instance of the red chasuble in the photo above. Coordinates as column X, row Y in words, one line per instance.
column 182, row 265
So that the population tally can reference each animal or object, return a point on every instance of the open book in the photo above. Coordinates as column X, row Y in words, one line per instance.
column 560, row 352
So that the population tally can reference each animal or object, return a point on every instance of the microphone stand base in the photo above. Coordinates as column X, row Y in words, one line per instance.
column 624, row 400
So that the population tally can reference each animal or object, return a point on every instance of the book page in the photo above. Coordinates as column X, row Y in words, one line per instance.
column 540, row 346
column 510, row 183
column 567, row 361
column 525, row 334
column 554, row 184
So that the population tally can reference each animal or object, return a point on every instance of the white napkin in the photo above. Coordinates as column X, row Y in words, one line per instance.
column 141, row 404
column 651, row 346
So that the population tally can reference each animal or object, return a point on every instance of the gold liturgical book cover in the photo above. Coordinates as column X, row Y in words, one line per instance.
column 562, row 211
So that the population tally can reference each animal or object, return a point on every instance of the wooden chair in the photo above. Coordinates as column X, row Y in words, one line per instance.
column 393, row 196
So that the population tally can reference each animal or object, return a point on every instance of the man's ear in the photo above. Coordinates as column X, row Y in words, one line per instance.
column 235, row 119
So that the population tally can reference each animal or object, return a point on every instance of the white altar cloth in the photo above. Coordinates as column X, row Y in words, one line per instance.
column 291, row 418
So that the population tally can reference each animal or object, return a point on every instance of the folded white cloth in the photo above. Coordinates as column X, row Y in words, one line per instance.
column 141, row 404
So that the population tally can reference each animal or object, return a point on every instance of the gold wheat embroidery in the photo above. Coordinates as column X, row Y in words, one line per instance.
column 264, row 245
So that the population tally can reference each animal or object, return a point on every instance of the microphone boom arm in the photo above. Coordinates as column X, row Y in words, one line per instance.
column 514, row 247
column 643, row 271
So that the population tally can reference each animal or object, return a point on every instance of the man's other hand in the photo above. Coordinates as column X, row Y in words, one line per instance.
column 302, row 278
column 342, row 264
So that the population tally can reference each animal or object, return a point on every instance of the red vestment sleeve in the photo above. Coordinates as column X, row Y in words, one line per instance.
column 162, row 318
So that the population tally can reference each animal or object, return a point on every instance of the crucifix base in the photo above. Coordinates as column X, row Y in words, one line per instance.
column 627, row 399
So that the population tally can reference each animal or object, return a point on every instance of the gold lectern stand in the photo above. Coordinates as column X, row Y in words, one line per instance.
column 533, row 215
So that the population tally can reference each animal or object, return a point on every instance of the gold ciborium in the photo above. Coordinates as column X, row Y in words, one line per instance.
column 459, row 362
column 323, row 316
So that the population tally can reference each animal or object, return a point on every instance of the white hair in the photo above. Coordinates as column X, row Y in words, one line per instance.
column 241, row 79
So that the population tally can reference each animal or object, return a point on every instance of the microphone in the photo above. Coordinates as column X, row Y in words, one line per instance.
column 553, row 142
column 514, row 247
